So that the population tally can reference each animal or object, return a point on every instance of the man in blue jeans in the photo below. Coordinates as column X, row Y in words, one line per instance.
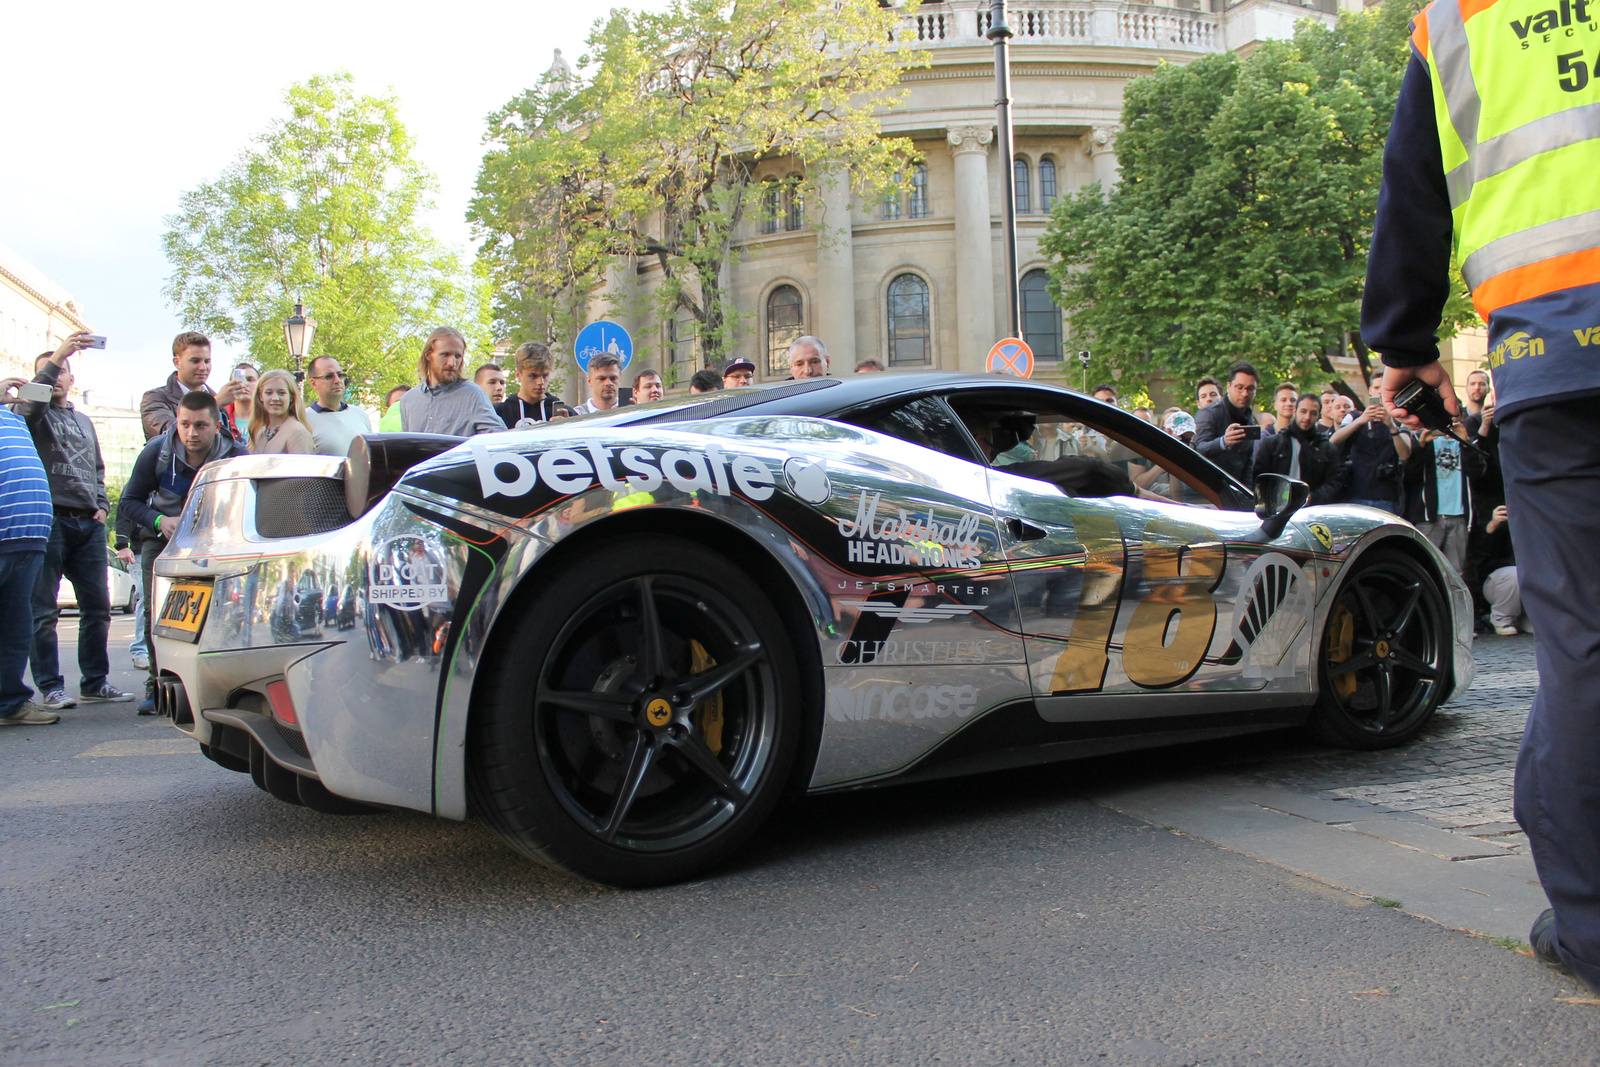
column 70, row 451
column 24, row 529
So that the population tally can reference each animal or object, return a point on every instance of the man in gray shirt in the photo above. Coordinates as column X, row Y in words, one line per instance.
column 444, row 402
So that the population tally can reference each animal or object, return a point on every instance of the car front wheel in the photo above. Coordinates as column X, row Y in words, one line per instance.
column 636, row 721
column 1384, row 663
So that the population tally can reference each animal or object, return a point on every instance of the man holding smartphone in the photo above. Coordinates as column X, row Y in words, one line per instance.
column 191, row 362
column 1227, row 433
column 70, row 451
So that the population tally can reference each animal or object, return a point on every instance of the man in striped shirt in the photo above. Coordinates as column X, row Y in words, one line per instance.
column 25, row 520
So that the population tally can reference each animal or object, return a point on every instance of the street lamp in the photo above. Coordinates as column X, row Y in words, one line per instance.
column 1000, row 34
column 297, row 331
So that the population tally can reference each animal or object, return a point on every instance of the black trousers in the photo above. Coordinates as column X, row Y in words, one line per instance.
column 1551, row 459
column 77, row 550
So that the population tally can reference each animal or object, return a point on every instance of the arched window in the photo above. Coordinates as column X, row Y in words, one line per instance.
column 771, row 206
column 1047, row 184
column 795, row 213
column 1019, row 171
column 919, row 192
column 1041, row 319
column 891, row 206
column 786, row 322
column 910, row 324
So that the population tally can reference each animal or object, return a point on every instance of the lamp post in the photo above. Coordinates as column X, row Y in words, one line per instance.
column 297, row 331
column 1000, row 33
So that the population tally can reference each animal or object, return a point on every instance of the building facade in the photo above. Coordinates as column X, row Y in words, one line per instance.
column 36, row 315
column 917, row 281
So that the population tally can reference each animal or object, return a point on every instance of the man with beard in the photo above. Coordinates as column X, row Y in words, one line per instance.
column 444, row 402
column 1226, row 432
column 1302, row 452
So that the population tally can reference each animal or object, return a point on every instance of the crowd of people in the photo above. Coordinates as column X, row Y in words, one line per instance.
column 1354, row 452
column 53, row 525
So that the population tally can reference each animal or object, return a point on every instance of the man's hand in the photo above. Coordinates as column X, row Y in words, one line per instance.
column 231, row 391
column 1497, row 519
column 1487, row 414
column 8, row 390
column 1373, row 410
column 100, row 514
column 1434, row 374
column 74, row 344
column 125, row 554
column 1233, row 435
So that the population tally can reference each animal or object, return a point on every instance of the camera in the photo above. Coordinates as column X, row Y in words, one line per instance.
column 1423, row 401
column 1251, row 432
column 1083, row 357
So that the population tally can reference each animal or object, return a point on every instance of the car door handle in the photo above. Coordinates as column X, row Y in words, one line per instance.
column 1023, row 531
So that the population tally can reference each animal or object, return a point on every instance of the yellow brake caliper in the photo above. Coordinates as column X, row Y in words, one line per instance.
column 1341, row 646
column 708, row 720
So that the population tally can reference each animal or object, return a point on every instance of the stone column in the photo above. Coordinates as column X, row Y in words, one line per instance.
column 975, row 281
column 833, row 316
column 1101, row 148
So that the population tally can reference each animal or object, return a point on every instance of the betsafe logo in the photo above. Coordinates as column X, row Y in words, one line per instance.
column 573, row 470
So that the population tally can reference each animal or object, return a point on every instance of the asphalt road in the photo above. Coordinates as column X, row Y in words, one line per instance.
column 160, row 910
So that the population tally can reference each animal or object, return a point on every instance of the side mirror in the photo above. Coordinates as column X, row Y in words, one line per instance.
column 1277, row 499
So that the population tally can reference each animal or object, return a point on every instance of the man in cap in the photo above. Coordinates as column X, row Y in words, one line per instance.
column 738, row 374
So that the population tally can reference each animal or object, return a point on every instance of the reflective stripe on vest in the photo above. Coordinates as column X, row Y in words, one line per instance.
column 1522, row 156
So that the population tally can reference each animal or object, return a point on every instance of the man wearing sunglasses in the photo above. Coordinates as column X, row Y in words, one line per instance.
column 334, row 424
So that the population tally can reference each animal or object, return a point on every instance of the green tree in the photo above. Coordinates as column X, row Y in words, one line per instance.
column 324, row 208
column 649, row 151
column 1241, row 225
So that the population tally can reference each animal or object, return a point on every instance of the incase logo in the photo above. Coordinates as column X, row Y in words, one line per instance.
column 571, row 470
column 894, row 702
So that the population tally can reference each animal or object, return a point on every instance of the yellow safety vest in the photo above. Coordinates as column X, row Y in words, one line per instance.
column 1516, row 94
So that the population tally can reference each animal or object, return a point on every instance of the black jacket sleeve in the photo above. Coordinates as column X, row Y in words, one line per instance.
column 1331, row 491
column 135, row 512
column 1408, row 271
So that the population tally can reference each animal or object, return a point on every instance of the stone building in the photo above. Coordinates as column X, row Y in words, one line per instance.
column 917, row 281
column 36, row 314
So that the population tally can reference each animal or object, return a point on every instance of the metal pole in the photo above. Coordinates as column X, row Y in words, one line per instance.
column 1000, row 33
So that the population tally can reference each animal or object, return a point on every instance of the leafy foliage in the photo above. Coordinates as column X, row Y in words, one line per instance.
column 324, row 209
column 1242, row 221
column 650, row 151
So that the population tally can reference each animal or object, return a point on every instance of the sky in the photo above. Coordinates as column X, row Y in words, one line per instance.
column 120, row 108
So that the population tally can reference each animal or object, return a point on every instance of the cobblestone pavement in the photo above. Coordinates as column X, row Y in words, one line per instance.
column 1457, row 774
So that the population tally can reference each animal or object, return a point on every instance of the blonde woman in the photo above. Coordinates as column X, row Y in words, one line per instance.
column 278, row 422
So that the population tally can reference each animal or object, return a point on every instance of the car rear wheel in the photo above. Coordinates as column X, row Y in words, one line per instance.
column 1385, row 654
column 637, row 720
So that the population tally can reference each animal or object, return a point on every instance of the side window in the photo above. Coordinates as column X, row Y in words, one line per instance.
column 1050, row 441
column 926, row 422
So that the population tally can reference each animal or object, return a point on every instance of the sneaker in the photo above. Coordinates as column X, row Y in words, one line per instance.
column 141, row 662
column 147, row 707
column 57, row 699
column 1506, row 631
column 105, row 693
column 30, row 714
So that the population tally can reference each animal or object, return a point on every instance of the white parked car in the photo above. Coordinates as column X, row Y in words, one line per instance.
column 124, row 595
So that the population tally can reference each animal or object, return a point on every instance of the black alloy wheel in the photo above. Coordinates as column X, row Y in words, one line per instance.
column 638, row 720
column 1385, row 654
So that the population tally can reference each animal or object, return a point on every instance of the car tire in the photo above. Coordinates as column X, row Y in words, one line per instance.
column 1385, row 654
column 630, row 761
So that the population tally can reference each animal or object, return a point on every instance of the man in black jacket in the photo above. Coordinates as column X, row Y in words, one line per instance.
column 1302, row 452
column 70, row 451
column 1226, row 432
column 157, row 489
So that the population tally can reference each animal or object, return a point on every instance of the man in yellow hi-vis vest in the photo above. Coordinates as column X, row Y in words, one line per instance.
column 1495, row 153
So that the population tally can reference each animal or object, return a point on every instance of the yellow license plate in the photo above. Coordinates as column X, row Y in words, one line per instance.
column 184, row 610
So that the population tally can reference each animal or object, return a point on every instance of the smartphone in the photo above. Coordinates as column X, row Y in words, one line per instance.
column 96, row 341
column 240, row 374
column 36, row 392
column 1251, row 433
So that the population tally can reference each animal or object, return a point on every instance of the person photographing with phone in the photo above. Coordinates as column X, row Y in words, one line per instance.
column 1226, row 433
column 1490, row 158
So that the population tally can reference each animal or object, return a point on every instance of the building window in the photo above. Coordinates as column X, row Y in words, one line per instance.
column 1047, row 184
column 919, row 192
column 771, row 206
column 910, row 325
column 786, row 323
column 680, row 347
column 794, row 204
column 891, row 206
column 1041, row 319
column 1019, row 171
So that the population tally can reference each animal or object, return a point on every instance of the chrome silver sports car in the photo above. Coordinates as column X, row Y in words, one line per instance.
column 620, row 639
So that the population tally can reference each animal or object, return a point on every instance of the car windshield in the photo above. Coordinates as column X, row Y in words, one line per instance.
column 697, row 406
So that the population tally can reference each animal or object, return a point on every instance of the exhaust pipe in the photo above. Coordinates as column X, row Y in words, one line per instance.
column 172, row 701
